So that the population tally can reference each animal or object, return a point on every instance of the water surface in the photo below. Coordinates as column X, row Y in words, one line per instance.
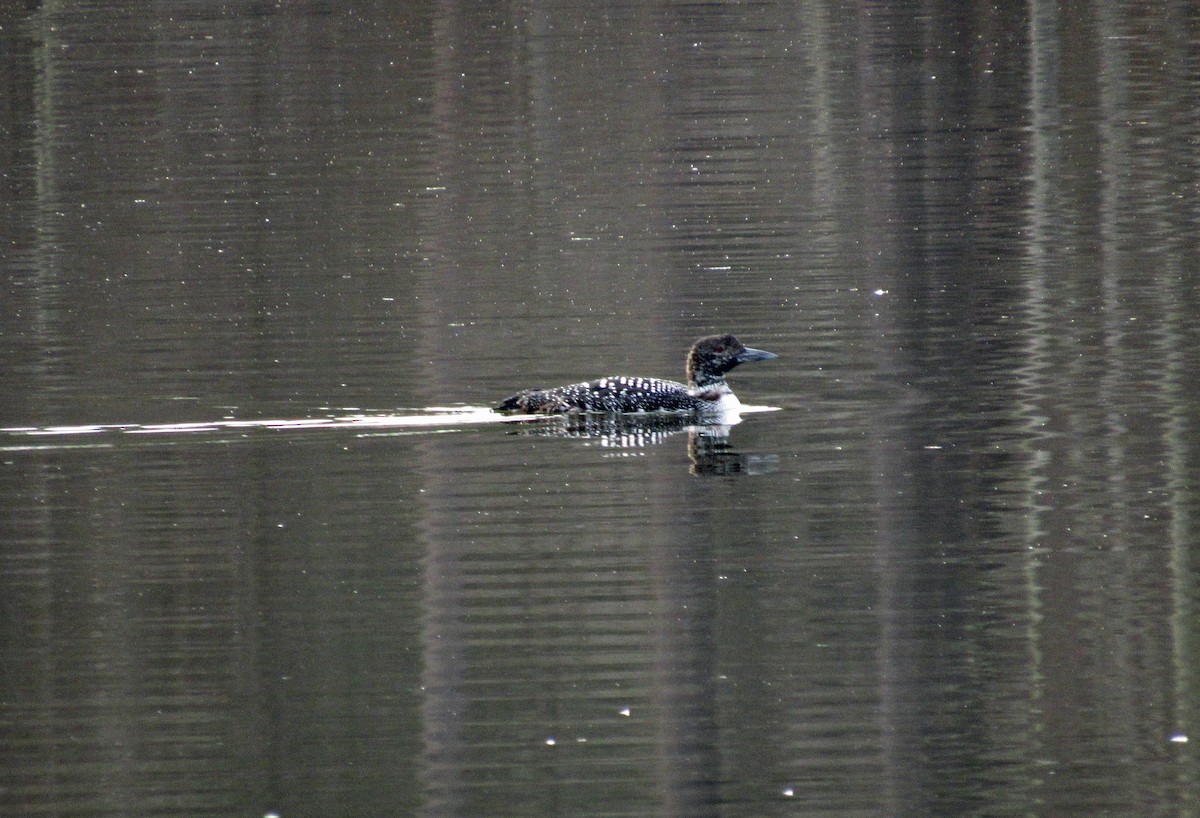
column 265, row 551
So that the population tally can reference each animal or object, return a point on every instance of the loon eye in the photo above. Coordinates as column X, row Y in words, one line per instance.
column 719, row 348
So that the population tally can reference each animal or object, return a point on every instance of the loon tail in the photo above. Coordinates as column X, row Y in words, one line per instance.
column 533, row 402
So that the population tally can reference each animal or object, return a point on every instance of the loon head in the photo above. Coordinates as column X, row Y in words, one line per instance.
column 710, row 358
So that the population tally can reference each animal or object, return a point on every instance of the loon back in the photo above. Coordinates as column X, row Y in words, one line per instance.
column 707, row 362
column 615, row 394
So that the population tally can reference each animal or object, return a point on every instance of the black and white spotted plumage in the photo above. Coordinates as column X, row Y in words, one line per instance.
column 706, row 391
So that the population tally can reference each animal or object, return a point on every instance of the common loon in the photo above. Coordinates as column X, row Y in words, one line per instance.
column 705, row 392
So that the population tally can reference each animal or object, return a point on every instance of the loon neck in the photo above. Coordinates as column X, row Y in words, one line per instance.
column 709, row 388
column 704, row 381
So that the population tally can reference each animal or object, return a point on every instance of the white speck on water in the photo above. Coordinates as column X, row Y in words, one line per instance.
column 788, row 792
column 625, row 711
column 1179, row 738
column 550, row 742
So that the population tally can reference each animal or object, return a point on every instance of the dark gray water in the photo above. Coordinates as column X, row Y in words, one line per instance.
column 263, row 262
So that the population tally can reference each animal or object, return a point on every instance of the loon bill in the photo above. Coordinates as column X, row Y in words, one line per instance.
column 705, row 391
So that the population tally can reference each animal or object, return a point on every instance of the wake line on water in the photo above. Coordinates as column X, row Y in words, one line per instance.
column 431, row 419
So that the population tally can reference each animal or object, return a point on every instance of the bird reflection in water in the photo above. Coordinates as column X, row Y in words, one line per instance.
column 709, row 448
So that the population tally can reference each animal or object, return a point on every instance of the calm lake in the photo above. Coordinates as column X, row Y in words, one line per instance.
column 264, row 551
